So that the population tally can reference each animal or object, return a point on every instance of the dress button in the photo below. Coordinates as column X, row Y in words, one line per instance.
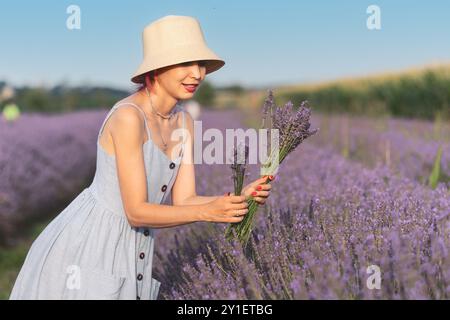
column 142, row 255
column 172, row 165
column 164, row 188
column 139, row 277
column 146, row 232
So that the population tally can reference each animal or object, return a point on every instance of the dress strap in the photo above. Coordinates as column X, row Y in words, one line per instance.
column 184, row 133
column 114, row 108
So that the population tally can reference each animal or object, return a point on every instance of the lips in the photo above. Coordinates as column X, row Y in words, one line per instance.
column 190, row 87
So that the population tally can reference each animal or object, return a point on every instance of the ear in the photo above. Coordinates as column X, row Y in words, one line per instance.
column 148, row 81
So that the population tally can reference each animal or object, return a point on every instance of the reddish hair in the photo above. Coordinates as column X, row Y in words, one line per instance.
column 140, row 86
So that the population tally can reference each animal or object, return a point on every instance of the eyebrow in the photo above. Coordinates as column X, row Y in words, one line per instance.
column 197, row 61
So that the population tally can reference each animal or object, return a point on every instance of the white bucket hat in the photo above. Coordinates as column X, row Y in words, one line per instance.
column 171, row 40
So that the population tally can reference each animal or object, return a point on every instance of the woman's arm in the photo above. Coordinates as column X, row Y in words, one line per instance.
column 199, row 200
column 194, row 206
column 163, row 216
column 127, row 135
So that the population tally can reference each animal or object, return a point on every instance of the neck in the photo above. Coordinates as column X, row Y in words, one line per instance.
column 162, row 103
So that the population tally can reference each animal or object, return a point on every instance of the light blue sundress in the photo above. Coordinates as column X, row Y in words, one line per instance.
column 90, row 251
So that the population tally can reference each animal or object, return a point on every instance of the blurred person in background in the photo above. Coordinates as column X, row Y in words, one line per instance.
column 11, row 111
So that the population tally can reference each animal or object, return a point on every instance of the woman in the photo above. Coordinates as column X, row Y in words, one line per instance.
column 101, row 245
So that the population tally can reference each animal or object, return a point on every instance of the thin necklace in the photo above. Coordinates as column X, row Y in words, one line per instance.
column 154, row 111
column 165, row 117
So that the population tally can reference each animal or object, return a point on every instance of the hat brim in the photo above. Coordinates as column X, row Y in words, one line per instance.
column 211, row 66
column 200, row 53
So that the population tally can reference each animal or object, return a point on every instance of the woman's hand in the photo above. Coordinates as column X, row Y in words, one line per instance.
column 226, row 208
column 259, row 190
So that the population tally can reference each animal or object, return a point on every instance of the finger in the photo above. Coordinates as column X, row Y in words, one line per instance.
column 262, row 180
column 239, row 206
column 243, row 205
column 265, row 186
column 240, row 212
column 235, row 219
column 260, row 200
column 237, row 199
column 260, row 194
column 258, row 181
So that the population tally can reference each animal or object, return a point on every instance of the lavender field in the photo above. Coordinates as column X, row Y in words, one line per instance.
column 329, row 218
column 407, row 147
column 354, row 195
column 44, row 161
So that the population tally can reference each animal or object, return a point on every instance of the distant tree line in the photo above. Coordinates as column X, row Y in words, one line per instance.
column 62, row 98
column 424, row 95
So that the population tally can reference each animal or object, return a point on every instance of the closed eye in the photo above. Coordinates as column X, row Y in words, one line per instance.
column 200, row 63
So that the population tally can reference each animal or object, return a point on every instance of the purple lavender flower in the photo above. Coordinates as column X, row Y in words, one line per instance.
column 238, row 166
column 293, row 127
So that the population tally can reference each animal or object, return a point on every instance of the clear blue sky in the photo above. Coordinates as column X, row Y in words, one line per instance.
column 262, row 42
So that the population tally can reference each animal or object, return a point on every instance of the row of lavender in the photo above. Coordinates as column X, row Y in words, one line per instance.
column 44, row 161
column 408, row 147
column 327, row 222
column 330, row 225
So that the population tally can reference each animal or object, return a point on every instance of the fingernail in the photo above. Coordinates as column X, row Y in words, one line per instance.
column 254, row 193
column 258, row 187
column 271, row 177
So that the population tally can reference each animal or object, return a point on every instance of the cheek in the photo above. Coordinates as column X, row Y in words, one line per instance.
column 172, row 83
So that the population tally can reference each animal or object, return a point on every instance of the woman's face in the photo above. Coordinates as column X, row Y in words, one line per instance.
column 174, row 78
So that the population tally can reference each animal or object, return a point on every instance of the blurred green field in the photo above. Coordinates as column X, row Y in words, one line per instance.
column 11, row 259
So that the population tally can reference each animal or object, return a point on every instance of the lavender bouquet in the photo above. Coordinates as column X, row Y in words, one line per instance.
column 291, row 128
column 238, row 166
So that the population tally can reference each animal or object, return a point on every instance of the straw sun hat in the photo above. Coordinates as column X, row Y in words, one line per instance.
column 171, row 40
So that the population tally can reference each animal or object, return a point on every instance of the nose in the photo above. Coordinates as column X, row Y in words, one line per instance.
column 196, row 71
